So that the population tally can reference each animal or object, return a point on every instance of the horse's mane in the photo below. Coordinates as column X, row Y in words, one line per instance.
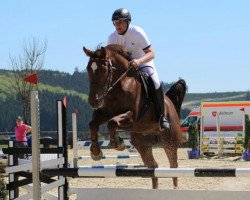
column 120, row 50
column 116, row 48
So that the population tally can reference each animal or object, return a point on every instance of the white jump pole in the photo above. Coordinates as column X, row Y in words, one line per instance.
column 244, row 124
column 74, row 129
column 219, row 142
column 148, row 172
column 201, row 134
column 35, row 122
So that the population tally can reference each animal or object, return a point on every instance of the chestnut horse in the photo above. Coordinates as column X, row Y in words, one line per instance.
column 118, row 97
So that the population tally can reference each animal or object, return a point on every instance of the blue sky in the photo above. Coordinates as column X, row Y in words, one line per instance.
column 206, row 42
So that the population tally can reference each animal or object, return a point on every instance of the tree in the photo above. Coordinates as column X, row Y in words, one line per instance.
column 3, row 190
column 247, row 133
column 193, row 137
column 29, row 62
column 248, row 96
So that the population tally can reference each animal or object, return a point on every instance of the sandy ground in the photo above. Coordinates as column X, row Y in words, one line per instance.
column 166, row 183
column 228, row 183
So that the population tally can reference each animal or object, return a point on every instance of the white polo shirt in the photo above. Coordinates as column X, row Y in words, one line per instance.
column 134, row 40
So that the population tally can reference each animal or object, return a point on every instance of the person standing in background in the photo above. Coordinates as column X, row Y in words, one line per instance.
column 21, row 130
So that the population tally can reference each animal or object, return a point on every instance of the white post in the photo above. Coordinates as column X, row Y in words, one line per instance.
column 34, row 108
column 62, row 142
column 201, row 133
column 218, row 134
column 74, row 129
column 244, row 125
column 12, row 178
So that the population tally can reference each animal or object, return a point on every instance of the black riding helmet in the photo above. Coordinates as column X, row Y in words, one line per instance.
column 121, row 14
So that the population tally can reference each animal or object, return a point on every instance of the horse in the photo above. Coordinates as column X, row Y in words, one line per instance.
column 118, row 97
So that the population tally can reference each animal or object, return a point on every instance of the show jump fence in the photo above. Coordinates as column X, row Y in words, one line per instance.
column 30, row 170
column 62, row 172
column 86, row 144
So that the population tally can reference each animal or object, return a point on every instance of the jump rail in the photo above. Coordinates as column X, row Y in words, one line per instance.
column 114, row 166
column 102, row 144
column 121, row 156
column 149, row 172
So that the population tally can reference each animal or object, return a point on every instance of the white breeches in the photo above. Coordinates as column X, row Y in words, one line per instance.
column 151, row 71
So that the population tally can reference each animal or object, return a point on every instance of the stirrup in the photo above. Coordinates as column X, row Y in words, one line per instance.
column 164, row 123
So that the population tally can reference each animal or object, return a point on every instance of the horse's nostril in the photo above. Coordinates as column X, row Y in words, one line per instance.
column 95, row 102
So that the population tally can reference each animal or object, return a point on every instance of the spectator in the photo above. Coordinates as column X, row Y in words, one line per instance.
column 21, row 130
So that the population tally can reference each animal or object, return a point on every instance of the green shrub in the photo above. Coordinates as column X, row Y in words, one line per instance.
column 247, row 133
column 3, row 191
column 193, row 137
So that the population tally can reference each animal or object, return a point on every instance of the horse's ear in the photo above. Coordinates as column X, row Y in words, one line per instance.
column 87, row 52
column 104, row 52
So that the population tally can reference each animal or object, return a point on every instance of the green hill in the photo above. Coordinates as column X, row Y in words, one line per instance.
column 55, row 85
column 49, row 92
column 195, row 98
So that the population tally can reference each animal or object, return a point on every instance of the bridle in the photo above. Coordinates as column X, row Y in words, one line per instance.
column 108, row 85
column 105, row 89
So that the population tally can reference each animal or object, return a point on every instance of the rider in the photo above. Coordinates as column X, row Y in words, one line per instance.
column 135, row 40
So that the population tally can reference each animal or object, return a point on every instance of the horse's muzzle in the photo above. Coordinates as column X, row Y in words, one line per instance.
column 95, row 102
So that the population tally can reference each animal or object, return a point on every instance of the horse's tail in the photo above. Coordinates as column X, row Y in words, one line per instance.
column 177, row 93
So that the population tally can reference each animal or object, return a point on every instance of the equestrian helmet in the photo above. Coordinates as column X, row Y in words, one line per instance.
column 121, row 14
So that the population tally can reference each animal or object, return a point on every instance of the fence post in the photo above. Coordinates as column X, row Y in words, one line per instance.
column 35, row 122
column 74, row 128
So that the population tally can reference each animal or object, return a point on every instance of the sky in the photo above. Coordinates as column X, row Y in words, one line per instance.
column 205, row 42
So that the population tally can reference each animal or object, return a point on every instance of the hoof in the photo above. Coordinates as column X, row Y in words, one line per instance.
column 98, row 157
column 121, row 147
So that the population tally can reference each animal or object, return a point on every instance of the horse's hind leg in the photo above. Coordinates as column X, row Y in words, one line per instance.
column 115, row 142
column 170, row 148
column 119, row 120
column 144, row 144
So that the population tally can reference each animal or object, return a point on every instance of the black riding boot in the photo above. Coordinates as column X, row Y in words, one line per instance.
column 159, row 104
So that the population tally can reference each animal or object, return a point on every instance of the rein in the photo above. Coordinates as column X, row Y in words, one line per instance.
column 108, row 85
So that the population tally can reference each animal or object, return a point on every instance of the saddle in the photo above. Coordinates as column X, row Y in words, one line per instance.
column 149, row 89
column 147, row 83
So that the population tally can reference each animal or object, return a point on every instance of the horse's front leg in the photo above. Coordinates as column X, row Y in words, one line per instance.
column 118, row 121
column 96, row 152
